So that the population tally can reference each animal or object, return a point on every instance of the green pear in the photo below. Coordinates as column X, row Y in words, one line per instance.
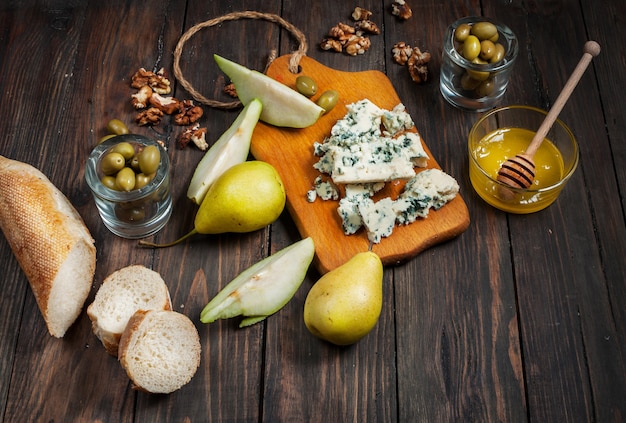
column 345, row 304
column 264, row 288
column 246, row 197
column 282, row 106
column 230, row 149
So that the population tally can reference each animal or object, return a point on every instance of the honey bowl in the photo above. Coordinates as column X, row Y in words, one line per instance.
column 504, row 132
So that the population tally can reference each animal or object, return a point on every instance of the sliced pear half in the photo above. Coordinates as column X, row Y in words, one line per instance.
column 230, row 149
column 282, row 106
column 264, row 288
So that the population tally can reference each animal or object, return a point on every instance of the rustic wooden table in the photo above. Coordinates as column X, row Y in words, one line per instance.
column 520, row 318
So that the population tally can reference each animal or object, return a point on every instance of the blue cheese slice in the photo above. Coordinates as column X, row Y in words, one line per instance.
column 359, row 151
column 429, row 189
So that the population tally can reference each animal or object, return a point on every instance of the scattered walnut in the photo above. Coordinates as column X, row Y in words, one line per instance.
column 195, row 134
column 188, row 113
column 401, row 52
column 357, row 45
column 199, row 138
column 157, row 81
column 151, row 116
column 168, row 105
column 400, row 9
column 331, row 44
column 417, row 65
column 360, row 14
column 367, row 26
column 231, row 90
column 141, row 98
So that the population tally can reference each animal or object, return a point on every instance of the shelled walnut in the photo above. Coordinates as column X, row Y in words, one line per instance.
column 188, row 113
column 157, row 81
column 417, row 65
column 151, row 116
column 195, row 134
column 351, row 39
column 415, row 60
column 401, row 52
column 401, row 9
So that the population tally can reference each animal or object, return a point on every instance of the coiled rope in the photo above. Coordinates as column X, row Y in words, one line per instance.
column 294, row 61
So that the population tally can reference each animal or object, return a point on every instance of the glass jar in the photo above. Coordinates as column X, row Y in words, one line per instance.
column 477, row 84
column 137, row 213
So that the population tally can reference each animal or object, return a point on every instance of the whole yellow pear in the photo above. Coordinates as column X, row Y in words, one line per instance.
column 344, row 305
column 246, row 197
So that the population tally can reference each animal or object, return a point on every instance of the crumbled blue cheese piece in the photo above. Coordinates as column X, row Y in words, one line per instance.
column 325, row 190
column 359, row 151
column 429, row 189
column 378, row 217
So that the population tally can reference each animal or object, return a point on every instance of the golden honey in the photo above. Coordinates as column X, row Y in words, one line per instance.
column 498, row 146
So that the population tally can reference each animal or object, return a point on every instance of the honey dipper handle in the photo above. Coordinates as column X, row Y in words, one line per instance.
column 591, row 49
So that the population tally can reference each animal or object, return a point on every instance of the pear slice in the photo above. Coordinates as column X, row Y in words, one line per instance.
column 264, row 288
column 282, row 106
column 230, row 149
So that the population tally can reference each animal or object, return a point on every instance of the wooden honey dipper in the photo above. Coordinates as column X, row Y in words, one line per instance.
column 519, row 171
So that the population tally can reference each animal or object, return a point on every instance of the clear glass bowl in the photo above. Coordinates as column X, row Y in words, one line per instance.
column 504, row 132
column 472, row 86
column 138, row 213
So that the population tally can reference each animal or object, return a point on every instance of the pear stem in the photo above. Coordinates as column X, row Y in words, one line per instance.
column 179, row 240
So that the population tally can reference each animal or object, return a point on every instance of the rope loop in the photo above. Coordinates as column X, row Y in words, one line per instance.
column 294, row 61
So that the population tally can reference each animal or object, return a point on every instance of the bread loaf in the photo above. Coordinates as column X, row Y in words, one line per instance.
column 50, row 241
column 160, row 351
column 121, row 294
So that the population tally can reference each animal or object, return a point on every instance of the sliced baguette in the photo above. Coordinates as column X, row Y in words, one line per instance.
column 121, row 294
column 160, row 351
column 50, row 241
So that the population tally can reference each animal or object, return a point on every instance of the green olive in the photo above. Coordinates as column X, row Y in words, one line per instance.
column 141, row 180
column 125, row 179
column 149, row 159
column 468, row 83
column 328, row 100
column 133, row 214
column 106, row 137
column 461, row 32
column 498, row 53
column 484, row 30
column 112, row 163
column 134, row 163
column 471, row 47
column 117, row 127
column 495, row 38
column 487, row 49
column 126, row 149
column 486, row 88
column 108, row 181
column 306, row 85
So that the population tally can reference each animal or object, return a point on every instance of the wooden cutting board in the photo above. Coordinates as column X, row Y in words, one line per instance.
column 290, row 151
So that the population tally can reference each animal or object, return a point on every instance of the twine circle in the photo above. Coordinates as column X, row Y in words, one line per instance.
column 294, row 61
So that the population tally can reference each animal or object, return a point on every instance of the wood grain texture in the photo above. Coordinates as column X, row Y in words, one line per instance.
column 290, row 151
column 518, row 319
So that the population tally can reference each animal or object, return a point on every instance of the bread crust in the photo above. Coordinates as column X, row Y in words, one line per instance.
column 42, row 228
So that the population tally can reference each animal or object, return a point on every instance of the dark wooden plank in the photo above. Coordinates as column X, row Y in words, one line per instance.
column 227, row 385
column 311, row 379
column 456, row 323
column 566, row 318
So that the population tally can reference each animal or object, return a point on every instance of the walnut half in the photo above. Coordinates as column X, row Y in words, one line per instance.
column 417, row 65
column 400, row 9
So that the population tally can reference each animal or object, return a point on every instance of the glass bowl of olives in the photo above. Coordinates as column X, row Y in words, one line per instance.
column 478, row 57
column 129, row 178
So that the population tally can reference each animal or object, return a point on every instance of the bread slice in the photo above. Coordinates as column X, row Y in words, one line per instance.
column 160, row 351
column 50, row 241
column 121, row 294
